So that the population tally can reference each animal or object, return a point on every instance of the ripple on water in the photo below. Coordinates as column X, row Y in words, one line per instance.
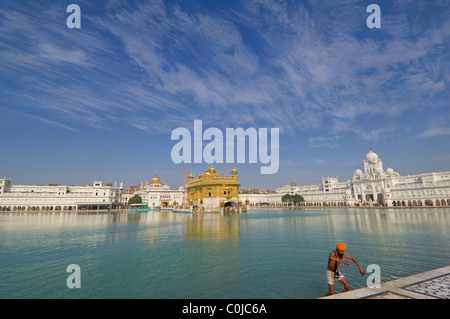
column 263, row 254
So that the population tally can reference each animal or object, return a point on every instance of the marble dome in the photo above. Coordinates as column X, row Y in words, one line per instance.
column 371, row 156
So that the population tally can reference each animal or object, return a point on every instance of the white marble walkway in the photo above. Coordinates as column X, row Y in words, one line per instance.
column 434, row 284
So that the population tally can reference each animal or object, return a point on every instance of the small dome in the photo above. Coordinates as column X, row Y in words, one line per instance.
column 234, row 171
column 211, row 169
column 358, row 171
column 371, row 156
column 389, row 170
column 191, row 176
column 155, row 180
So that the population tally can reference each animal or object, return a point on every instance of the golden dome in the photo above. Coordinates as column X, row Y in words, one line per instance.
column 210, row 170
column 155, row 180
column 191, row 176
column 234, row 171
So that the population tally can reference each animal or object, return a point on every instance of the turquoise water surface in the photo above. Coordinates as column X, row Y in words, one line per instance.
column 261, row 254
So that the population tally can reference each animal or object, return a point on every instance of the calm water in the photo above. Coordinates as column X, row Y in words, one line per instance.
column 261, row 254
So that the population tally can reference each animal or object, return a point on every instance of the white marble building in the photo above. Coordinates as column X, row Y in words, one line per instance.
column 156, row 194
column 372, row 187
column 262, row 200
column 389, row 188
column 57, row 197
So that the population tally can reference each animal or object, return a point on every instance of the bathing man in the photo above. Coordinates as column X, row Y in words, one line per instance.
column 333, row 274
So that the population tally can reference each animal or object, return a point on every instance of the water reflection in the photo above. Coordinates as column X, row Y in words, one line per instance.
column 259, row 254
column 213, row 227
column 377, row 223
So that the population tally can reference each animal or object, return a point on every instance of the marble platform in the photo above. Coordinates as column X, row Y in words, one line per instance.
column 434, row 284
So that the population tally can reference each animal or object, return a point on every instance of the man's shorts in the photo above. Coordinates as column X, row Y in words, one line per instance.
column 332, row 278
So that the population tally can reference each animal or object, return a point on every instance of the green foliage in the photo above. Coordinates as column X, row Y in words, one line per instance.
column 136, row 199
column 292, row 198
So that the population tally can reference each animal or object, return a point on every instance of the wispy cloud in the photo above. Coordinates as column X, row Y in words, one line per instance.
column 436, row 127
column 40, row 119
column 310, row 68
column 364, row 133
column 292, row 65
column 435, row 131
column 320, row 141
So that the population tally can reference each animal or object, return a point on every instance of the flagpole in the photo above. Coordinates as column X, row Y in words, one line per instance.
column 183, row 178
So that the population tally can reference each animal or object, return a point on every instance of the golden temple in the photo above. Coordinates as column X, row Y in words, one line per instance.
column 212, row 192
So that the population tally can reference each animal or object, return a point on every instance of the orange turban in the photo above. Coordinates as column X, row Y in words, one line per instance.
column 340, row 246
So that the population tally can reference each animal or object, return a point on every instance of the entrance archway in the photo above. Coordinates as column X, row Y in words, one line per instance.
column 380, row 198
column 164, row 204
column 230, row 206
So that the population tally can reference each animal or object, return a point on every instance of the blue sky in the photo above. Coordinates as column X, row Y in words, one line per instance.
column 100, row 102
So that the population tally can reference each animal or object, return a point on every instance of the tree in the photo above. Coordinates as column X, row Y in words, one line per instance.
column 136, row 199
column 298, row 198
column 286, row 198
column 292, row 198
